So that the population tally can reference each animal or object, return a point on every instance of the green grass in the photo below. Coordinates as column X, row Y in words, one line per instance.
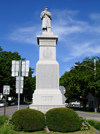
column 94, row 123
column 9, row 130
column 3, row 119
column 91, row 131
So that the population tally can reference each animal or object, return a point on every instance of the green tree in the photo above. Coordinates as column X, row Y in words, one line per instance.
column 0, row 49
column 5, row 70
column 29, row 86
column 6, row 78
column 79, row 81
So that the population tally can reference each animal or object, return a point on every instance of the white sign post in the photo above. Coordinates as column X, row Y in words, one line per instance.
column 16, row 71
column 6, row 91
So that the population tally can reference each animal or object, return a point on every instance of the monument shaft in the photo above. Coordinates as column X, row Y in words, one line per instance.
column 47, row 94
column 47, row 72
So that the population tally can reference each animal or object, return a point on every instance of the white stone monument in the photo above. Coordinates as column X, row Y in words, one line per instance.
column 47, row 94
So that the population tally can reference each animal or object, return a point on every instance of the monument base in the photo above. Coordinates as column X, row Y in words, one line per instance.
column 44, row 108
column 43, row 100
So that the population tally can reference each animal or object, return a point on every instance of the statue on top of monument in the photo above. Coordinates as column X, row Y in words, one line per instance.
column 46, row 20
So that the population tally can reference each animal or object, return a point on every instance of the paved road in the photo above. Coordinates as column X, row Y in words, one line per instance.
column 86, row 115
column 11, row 109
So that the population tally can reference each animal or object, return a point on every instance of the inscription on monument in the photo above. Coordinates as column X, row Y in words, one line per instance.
column 44, row 108
column 47, row 53
column 47, row 43
column 47, row 98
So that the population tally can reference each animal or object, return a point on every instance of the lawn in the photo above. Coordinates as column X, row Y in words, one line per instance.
column 8, row 129
column 91, row 131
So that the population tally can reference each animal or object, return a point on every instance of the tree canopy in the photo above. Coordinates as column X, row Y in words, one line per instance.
column 80, row 80
column 6, row 78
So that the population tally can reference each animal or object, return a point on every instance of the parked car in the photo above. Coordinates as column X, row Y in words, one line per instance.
column 66, row 104
column 11, row 103
column 76, row 103
column 2, row 104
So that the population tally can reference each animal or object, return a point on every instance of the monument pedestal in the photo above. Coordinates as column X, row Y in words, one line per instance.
column 47, row 94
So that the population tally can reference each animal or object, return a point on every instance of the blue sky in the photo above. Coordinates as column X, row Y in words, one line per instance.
column 76, row 22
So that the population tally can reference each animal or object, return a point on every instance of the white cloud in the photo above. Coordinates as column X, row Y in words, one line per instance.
column 95, row 16
column 76, row 35
column 68, row 58
column 80, row 37
column 27, row 35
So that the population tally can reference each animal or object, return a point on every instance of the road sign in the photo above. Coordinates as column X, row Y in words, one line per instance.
column 25, row 68
column 17, row 91
column 21, row 79
column 21, row 82
column 15, row 68
column 6, row 89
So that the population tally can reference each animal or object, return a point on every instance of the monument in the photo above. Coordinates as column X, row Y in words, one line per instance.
column 47, row 94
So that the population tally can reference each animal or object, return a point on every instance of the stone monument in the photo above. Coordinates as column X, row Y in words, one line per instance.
column 47, row 94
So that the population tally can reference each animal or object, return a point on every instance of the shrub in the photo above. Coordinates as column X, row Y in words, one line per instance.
column 94, row 123
column 63, row 120
column 28, row 120
column 7, row 129
column 86, row 124
column 3, row 119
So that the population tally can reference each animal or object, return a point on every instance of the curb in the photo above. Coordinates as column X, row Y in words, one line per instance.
column 97, row 132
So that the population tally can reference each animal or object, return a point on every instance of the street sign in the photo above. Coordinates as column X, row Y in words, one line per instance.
column 25, row 68
column 15, row 68
column 17, row 91
column 6, row 89
column 21, row 82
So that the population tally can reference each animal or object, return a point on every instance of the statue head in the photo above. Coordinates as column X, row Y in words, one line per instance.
column 46, row 8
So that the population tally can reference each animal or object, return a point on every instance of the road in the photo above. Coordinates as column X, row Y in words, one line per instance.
column 87, row 115
column 11, row 109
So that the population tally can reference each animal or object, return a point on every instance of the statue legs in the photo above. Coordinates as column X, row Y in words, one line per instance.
column 49, row 29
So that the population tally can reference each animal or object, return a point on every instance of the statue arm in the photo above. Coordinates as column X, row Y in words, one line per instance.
column 48, row 14
column 45, row 13
column 42, row 15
